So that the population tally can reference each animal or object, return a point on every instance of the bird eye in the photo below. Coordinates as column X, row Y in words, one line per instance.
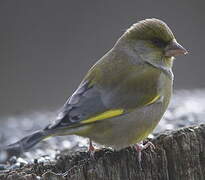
column 158, row 42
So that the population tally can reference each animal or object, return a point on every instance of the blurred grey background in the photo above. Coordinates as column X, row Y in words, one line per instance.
column 46, row 46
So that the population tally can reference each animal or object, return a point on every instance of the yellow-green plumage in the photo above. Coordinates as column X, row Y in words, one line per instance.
column 144, row 93
column 125, row 94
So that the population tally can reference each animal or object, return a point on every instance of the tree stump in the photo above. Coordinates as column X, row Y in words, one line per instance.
column 179, row 155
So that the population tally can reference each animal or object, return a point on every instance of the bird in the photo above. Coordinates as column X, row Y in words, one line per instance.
column 123, row 96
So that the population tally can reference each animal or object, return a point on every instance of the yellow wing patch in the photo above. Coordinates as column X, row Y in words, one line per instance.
column 113, row 113
column 105, row 115
column 153, row 100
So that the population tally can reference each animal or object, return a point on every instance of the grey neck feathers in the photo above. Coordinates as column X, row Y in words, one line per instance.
column 136, row 58
column 166, row 70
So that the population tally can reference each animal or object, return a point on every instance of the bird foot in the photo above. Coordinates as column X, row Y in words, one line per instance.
column 91, row 149
column 140, row 147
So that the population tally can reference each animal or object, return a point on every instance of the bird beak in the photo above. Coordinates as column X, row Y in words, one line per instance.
column 175, row 49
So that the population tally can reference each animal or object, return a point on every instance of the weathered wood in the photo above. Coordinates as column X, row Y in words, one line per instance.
column 179, row 155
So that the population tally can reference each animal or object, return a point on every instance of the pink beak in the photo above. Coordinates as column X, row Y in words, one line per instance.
column 175, row 49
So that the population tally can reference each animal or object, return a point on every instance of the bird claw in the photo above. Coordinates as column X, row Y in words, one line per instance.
column 149, row 144
column 140, row 147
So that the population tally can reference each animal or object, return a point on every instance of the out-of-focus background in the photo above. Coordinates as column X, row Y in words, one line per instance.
column 46, row 46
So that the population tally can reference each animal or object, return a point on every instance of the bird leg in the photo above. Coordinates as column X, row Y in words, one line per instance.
column 140, row 147
column 91, row 148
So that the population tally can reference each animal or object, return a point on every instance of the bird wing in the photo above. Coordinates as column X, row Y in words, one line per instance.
column 91, row 103
column 84, row 106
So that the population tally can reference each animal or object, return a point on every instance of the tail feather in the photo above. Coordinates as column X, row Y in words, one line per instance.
column 25, row 144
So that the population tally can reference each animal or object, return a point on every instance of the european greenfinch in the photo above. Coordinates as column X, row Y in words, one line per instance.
column 124, row 95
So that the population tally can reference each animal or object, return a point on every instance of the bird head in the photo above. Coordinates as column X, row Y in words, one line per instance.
column 153, row 41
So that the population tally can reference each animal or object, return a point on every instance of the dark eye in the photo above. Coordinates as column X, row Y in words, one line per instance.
column 158, row 42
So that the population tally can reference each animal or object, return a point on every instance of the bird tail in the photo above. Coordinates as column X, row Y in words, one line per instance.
column 26, row 143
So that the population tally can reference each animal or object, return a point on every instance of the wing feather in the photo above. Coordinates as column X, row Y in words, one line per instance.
column 95, row 99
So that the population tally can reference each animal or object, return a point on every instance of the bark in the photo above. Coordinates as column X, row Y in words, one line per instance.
column 179, row 155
